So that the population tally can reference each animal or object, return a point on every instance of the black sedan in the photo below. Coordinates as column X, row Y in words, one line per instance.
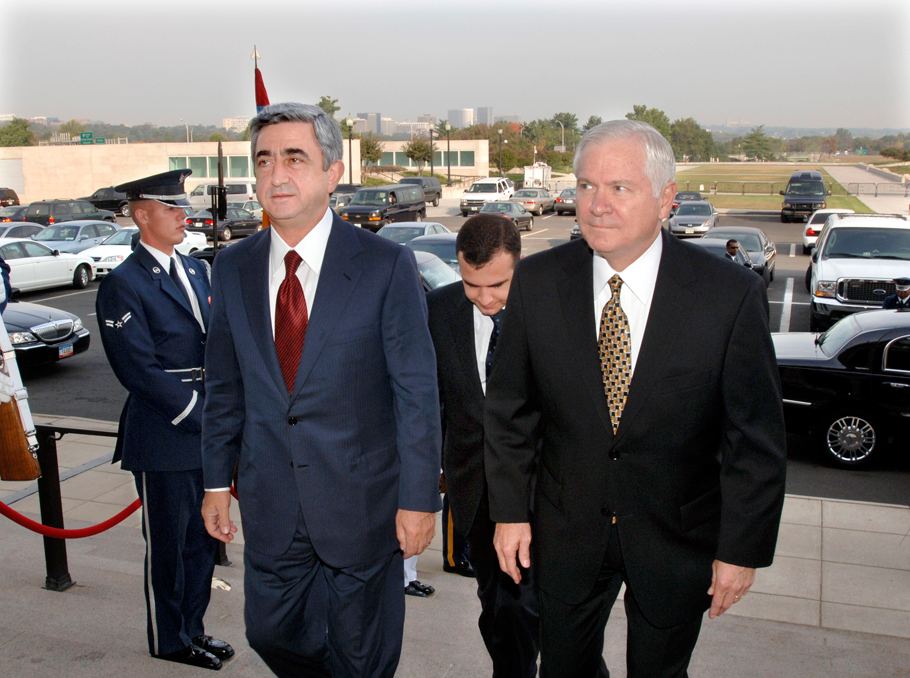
column 442, row 245
column 719, row 248
column 13, row 213
column 434, row 272
column 850, row 386
column 238, row 222
column 514, row 211
column 41, row 335
column 762, row 251
column 683, row 196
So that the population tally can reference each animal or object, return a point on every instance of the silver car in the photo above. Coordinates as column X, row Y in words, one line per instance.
column 535, row 200
column 694, row 218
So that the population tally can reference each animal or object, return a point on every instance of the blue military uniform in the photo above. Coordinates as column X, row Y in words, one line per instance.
column 156, row 345
column 894, row 301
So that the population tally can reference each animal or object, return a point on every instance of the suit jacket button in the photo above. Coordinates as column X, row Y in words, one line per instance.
column 614, row 455
column 292, row 421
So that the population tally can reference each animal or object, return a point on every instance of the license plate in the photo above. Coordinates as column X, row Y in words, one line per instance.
column 689, row 230
column 65, row 351
column 475, row 209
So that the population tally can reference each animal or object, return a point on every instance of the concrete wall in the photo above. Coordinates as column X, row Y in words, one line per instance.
column 49, row 172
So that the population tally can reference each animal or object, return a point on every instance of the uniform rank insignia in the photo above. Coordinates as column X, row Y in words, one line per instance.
column 117, row 324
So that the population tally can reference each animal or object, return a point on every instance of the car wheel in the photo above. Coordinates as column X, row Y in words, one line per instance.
column 436, row 201
column 464, row 214
column 814, row 325
column 784, row 220
column 540, row 211
column 125, row 210
column 81, row 277
column 419, row 217
column 809, row 280
column 806, row 250
column 850, row 439
column 531, row 224
column 226, row 233
column 771, row 274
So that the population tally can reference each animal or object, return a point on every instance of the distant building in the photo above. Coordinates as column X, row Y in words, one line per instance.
column 413, row 128
column 38, row 120
column 237, row 124
column 507, row 118
column 426, row 117
column 485, row 115
column 388, row 127
column 361, row 125
column 7, row 117
column 461, row 117
column 373, row 121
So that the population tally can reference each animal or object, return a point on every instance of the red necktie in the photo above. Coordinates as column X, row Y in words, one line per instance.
column 290, row 320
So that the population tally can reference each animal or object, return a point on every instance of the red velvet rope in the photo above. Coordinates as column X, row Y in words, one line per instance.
column 57, row 533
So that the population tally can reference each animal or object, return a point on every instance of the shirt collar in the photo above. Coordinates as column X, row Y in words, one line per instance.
column 311, row 249
column 639, row 277
column 160, row 256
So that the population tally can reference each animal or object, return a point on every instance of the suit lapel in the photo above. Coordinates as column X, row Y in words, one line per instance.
column 162, row 276
column 463, row 336
column 337, row 279
column 576, row 295
column 670, row 310
column 254, row 285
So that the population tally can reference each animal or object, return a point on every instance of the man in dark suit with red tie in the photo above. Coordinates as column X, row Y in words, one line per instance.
column 644, row 368
column 321, row 385
column 465, row 319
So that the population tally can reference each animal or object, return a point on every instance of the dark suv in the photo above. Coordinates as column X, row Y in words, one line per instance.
column 432, row 189
column 805, row 193
column 374, row 207
column 109, row 199
column 47, row 212
column 8, row 197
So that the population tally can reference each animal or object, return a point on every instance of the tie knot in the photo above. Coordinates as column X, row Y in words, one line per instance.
column 292, row 261
column 615, row 285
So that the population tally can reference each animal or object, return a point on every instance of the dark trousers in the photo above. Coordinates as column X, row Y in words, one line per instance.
column 572, row 636
column 509, row 613
column 179, row 557
column 305, row 618
column 455, row 548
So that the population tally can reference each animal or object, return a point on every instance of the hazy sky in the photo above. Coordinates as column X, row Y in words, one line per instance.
column 801, row 63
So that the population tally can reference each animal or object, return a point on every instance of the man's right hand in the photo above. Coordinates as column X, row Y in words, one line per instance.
column 511, row 540
column 216, row 514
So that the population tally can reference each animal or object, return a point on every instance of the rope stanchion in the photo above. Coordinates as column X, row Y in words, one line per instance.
column 57, row 533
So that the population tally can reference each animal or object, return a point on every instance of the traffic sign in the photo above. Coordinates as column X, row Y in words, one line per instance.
column 100, row 140
column 86, row 137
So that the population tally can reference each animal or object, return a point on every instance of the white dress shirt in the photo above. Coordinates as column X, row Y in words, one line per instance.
column 483, row 330
column 312, row 250
column 638, row 281
column 165, row 262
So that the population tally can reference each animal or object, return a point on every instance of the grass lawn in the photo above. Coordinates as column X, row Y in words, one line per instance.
column 766, row 180
column 772, row 202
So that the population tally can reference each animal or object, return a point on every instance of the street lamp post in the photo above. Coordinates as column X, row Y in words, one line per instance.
column 350, row 124
column 448, row 129
column 563, row 136
column 187, row 130
column 500, row 152
column 432, row 154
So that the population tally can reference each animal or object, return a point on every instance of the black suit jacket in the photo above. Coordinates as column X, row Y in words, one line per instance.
column 696, row 469
column 461, row 394
column 893, row 302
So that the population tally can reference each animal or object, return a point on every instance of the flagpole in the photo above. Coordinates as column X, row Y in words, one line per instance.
column 261, row 100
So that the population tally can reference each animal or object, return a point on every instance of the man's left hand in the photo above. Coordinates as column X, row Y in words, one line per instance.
column 729, row 583
column 415, row 531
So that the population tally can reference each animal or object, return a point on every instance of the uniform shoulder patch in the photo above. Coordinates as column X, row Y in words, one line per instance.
column 117, row 324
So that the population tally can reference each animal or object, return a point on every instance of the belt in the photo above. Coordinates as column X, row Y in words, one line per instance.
column 194, row 373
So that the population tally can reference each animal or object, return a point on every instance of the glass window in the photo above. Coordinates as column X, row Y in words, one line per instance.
column 11, row 251
column 467, row 159
column 198, row 164
column 213, row 166
column 39, row 210
column 388, row 158
column 401, row 159
column 104, row 229
column 239, row 166
column 89, row 231
column 77, row 209
column 177, row 163
column 897, row 355
column 33, row 249
column 199, row 190
column 437, row 158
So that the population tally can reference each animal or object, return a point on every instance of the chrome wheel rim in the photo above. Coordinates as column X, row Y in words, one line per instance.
column 851, row 439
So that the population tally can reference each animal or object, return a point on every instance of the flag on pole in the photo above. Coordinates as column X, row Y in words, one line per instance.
column 262, row 97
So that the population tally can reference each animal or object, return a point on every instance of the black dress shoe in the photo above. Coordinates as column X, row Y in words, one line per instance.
column 193, row 656
column 214, row 646
column 463, row 568
column 415, row 588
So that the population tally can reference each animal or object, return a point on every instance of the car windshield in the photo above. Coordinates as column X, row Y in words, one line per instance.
column 867, row 243
column 693, row 211
column 820, row 217
column 805, row 188
column 499, row 207
column 568, row 193
column 376, row 198
column 750, row 242
column 58, row 233
column 9, row 211
column 437, row 273
column 443, row 250
column 202, row 214
column 832, row 341
column 401, row 234
column 688, row 196
column 124, row 237
column 482, row 188
column 526, row 194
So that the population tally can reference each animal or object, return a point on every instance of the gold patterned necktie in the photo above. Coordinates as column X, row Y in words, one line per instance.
column 615, row 353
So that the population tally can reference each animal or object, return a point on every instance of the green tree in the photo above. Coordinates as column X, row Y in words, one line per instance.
column 653, row 116
column 418, row 149
column 217, row 136
column 829, row 145
column 844, row 138
column 593, row 122
column 690, row 141
column 371, row 149
column 246, row 133
column 328, row 105
column 757, row 144
column 74, row 128
column 16, row 133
